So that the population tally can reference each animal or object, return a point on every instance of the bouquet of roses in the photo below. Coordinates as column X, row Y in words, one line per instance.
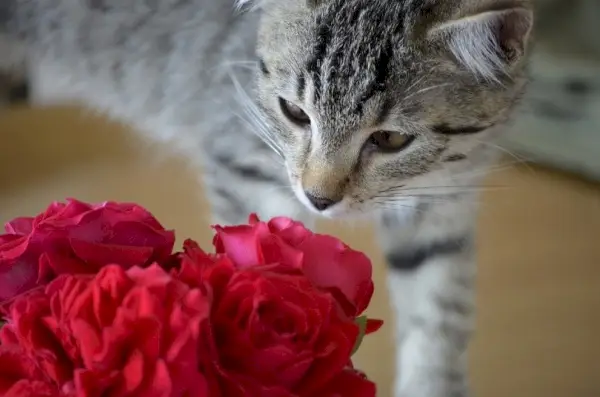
column 95, row 303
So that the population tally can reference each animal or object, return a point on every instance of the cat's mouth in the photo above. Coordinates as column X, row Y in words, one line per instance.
column 343, row 208
column 347, row 209
column 335, row 210
column 340, row 209
column 301, row 196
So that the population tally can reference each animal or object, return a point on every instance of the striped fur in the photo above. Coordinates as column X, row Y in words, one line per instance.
column 178, row 71
column 14, row 90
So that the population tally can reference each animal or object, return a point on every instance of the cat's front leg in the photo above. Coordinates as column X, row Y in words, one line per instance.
column 431, row 283
column 431, row 361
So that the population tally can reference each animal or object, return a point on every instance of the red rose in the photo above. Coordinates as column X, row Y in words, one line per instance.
column 275, row 333
column 349, row 383
column 274, row 313
column 131, row 333
column 18, row 375
column 326, row 261
column 79, row 238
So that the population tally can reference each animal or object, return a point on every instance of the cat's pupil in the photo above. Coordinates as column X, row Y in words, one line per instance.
column 263, row 67
column 390, row 141
column 297, row 112
column 294, row 113
column 380, row 138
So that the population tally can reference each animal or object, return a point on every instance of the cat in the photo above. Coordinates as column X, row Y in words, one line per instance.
column 385, row 109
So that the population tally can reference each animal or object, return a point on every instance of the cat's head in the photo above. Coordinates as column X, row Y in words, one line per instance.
column 365, row 98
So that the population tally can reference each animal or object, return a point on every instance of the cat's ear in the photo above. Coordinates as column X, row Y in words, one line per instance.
column 255, row 4
column 241, row 3
column 249, row 4
column 313, row 3
column 488, row 43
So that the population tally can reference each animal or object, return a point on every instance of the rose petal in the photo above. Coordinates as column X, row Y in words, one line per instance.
column 241, row 244
column 292, row 232
column 77, row 237
column 334, row 355
column 20, row 226
column 373, row 325
column 275, row 250
column 160, row 381
column 16, row 278
column 349, row 383
column 28, row 388
column 133, row 372
column 331, row 265
column 14, row 366
column 98, row 255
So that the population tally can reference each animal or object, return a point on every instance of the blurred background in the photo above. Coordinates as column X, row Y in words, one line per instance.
column 538, row 332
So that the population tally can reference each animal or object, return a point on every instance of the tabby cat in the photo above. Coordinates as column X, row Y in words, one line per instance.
column 371, row 108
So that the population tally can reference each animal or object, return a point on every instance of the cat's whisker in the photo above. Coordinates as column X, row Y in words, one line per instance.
column 280, row 188
column 394, row 198
column 256, row 118
column 485, row 170
column 426, row 89
column 416, row 83
column 258, row 127
column 488, row 170
column 425, row 197
column 250, row 126
column 413, row 188
column 426, row 192
column 243, row 64
column 521, row 160
column 428, row 197
column 393, row 206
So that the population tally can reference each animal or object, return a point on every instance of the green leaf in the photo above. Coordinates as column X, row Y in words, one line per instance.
column 362, row 330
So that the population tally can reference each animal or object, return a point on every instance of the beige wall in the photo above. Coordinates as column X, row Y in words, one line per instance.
column 539, row 284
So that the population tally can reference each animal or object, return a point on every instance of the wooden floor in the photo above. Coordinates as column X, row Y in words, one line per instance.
column 539, row 282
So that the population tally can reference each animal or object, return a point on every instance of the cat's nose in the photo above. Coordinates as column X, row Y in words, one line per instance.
column 320, row 203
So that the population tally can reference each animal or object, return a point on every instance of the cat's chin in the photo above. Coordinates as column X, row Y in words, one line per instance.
column 337, row 211
column 344, row 213
column 363, row 213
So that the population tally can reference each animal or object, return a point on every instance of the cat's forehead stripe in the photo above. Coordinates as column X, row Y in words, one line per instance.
column 378, row 80
column 300, row 87
column 353, row 53
column 322, row 41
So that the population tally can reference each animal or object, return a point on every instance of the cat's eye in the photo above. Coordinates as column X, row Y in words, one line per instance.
column 294, row 113
column 389, row 141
